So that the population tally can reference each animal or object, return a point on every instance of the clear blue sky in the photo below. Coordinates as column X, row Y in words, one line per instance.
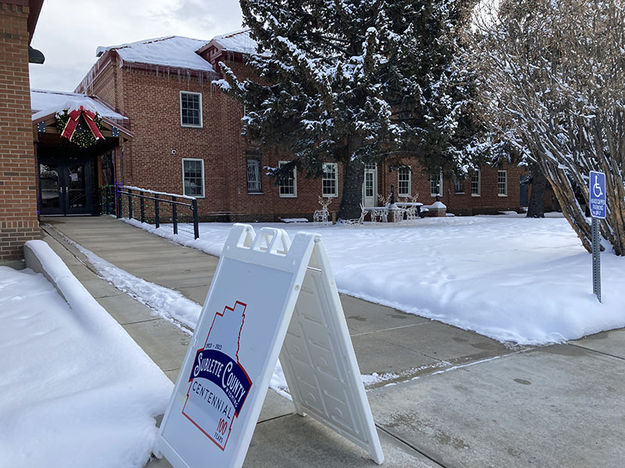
column 69, row 31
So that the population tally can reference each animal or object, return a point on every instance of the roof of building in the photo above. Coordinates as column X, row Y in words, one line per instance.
column 34, row 9
column 45, row 103
column 237, row 41
column 172, row 51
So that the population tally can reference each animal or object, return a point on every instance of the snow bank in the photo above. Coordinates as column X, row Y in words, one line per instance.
column 76, row 389
column 511, row 278
column 166, row 302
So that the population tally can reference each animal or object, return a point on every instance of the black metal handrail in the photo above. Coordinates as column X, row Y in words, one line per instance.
column 107, row 199
column 158, row 198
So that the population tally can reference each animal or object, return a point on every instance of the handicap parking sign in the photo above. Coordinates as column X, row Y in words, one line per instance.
column 597, row 202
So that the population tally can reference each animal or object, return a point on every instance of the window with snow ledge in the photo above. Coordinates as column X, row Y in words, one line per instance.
column 253, row 176
column 193, row 177
column 288, row 185
column 404, row 181
column 476, row 182
column 190, row 109
column 436, row 184
column 329, row 180
column 502, row 183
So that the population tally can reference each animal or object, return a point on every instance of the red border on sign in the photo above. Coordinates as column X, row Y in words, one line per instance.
column 236, row 414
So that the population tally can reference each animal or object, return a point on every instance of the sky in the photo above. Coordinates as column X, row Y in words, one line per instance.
column 69, row 31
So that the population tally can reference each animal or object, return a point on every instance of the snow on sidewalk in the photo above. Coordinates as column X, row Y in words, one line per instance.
column 511, row 278
column 174, row 307
column 75, row 389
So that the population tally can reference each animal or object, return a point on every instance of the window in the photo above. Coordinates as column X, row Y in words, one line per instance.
column 329, row 180
column 502, row 183
column 458, row 185
column 404, row 181
column 193, row 177
column 253, row 176
column 436, row 184
column 288, row 185
column 190, row 109
column 476, row 184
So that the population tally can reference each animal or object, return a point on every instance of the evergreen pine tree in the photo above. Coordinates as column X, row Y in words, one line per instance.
column 357, row 82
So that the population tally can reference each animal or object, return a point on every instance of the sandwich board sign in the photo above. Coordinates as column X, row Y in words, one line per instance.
column 269, row 298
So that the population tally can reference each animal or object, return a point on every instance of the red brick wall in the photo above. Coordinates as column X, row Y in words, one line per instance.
column 152, row 102
column 103, row 80
column 462, row 203
column 18, row 192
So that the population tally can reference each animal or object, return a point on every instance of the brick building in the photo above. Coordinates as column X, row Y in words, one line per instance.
column 18, row 191
column 188, row 140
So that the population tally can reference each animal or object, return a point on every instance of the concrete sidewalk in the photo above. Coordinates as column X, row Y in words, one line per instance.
column 460, row 399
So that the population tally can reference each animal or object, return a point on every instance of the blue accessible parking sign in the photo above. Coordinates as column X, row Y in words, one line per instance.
column 597, row 202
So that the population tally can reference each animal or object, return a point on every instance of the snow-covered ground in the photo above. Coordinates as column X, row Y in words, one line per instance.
column 176, row 308
column 75, row 389
column 515, row 279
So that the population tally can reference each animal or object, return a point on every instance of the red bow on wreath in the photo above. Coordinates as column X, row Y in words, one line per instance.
column 72, row 123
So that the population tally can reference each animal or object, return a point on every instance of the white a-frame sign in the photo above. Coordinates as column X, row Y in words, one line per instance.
column 268, row 298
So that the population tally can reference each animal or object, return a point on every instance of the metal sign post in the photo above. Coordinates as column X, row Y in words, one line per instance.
column 597, row 205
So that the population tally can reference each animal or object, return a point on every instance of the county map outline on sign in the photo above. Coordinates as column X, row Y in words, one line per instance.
column 218, row 383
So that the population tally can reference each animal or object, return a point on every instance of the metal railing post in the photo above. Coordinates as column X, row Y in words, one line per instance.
column 107, row 200
column 129, row 204
column 167, row 198
column 142, row 205
column 196, row 226
column 157, row 221
column 174, row 210
column 113, row 204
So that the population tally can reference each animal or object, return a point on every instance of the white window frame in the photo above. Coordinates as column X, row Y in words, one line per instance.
column 479, row 184
column 409, row 192
column 335, row 179
column 203, row 178
column 288, row 195
column 440, row 185
column 247, row 178
column 201, row 125
column 505, row 183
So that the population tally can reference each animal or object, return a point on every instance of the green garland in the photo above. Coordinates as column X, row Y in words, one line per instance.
column 83, row 136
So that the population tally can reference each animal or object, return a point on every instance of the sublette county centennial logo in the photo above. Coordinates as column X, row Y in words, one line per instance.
column 218, row 383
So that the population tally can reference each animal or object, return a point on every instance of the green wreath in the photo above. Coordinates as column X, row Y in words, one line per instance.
column 83, row 136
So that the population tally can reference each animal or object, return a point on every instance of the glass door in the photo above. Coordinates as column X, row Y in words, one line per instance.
column 66, row 187
column 52, row 189
column 370, row 185
column 76, row 189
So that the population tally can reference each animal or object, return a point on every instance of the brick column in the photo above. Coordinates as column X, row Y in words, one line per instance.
column 18, row 190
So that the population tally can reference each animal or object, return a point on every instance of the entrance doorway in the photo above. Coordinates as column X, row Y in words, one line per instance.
column 66, row 187
column 370, row 185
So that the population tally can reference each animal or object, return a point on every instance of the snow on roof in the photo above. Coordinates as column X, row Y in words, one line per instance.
column 237, row 41
column 44, row 103
column 172, row 51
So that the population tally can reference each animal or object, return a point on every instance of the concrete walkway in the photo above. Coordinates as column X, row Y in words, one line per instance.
column 460, row 399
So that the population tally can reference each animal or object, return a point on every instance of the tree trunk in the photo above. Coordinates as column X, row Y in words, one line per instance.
column 352, row 190
column 536, row 206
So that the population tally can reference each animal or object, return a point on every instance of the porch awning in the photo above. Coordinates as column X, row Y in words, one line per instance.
column 46, row 104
